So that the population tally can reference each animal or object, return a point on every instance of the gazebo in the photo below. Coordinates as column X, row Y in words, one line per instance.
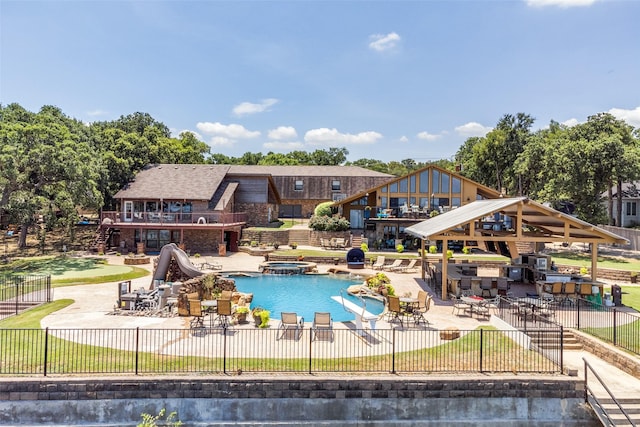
column 529, row 222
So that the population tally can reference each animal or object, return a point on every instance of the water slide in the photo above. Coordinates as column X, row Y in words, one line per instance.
column 166, row 253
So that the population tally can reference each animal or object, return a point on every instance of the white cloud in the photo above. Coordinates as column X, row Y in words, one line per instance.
column 382, row 42
column 245, row 108
column 95, row 113
column 283, row 132
column 403, row 139
column 571, row 122
column 332, row 137
column 220, row 141
column 428, row 136
column 279, row 145
column 472, row 129
column 231, row 131
column 564, row 4
column 632, row 117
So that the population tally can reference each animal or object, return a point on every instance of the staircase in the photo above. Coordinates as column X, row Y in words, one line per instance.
column 549, row 340
column 299, row 236
column 613, row 413
column 101, row 238
column 356, row 241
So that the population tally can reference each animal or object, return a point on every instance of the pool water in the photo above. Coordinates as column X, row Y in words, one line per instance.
column 303, row 294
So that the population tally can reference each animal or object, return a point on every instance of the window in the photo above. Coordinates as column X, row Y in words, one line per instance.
column 444, row 187
column 393, row 188
column 412, row 183
column 335, row 185
column 403, row 185
column 435, row 186
column 424, row 181
column 455, row 185
column 299, row 185
column 632, row 209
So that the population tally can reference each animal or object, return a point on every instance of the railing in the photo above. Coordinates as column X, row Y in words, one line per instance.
column 204, row 350
column 166, row 218
column 19, row 292
column 596, row 404
column 618, row 327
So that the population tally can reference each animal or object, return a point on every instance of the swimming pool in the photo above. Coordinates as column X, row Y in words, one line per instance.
column 303, row 294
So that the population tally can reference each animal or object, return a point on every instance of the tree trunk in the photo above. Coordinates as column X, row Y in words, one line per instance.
column 610, row 219
column 619, row 202
column 22, row 238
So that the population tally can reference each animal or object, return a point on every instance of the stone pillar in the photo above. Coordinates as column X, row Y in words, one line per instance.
column 140, row 248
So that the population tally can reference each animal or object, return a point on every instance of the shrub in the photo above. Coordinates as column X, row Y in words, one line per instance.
column 364, row 247
column 466, row 250
column 433, row 249
column 293, row 245
column 400, row 248
column 449, row 254
column 323, row 209
column 276, row 245
column 254, row 244
column 327, row 223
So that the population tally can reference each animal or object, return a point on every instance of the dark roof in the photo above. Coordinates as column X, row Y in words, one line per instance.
column 325, row 171
column 167, row 181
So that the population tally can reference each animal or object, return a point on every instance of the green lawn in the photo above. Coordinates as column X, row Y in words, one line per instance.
column 604, row 261
column 67, row 271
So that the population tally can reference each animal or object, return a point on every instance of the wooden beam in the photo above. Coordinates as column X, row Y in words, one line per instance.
column 443, row 294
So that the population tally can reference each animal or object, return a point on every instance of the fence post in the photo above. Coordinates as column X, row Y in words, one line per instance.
column 310, row 349
column 393, row 351
column 615, row 327
column 578, row 314
column 481, row 347
column 137, row 348
column 561, row 348
column 224, row 349
column 46, row 349
column 16, row 297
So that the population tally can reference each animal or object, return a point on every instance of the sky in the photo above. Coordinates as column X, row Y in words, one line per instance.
column 388, row 80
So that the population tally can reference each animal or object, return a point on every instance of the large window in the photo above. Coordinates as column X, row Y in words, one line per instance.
column 444, row 183
column 403, row 185
column 435, row 181
column 456, row 186
column 393, row 188
column 412, row 183
column 424, row 181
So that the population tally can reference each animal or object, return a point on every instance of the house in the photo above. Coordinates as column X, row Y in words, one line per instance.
column 383, row 211
column 302, row 188
column 630, row 204
column 205, row 207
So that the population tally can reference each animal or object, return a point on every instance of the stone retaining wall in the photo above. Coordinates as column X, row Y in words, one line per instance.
column 608, row 353
column 389, row 401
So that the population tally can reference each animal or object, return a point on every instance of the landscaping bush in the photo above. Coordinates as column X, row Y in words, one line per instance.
column 328, row 223
column 323, row 209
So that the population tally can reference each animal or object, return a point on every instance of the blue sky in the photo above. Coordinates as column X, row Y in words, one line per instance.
column 388, row 80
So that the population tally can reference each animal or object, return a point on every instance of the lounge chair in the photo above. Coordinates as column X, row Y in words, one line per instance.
column 291, row 322
column 379, row 263
column 409, row 268
column 397, row 263
column 322, row 323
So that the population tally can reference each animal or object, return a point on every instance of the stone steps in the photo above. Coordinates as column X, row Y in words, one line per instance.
column 550, row 341
column 299, row 236
column 630, row 405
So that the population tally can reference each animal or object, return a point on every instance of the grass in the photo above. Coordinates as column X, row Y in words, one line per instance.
column 604, row 261
column 627, row 335
column 66, row 271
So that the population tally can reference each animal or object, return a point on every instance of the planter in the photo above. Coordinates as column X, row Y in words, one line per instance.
column 242, row 317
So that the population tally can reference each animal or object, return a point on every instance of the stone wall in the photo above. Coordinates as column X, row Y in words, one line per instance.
column 609, row 353
column 384, row 400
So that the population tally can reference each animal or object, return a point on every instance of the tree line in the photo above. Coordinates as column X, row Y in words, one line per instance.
column 51, row 164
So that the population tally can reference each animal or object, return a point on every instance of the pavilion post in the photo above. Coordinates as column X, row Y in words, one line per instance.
column 444, row 270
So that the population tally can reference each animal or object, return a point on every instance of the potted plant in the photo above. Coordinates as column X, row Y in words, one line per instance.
column 241, row 314
column 293, row 245
column 276, row 245
column 260, row 317
column 300, row 257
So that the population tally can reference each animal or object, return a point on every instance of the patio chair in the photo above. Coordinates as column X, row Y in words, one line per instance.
column 503, row 286
column 396, row 312
column 195, row 311
column 391, row 267
column 459, row 305
column 226, row 295
column 225, row 311
column 485, row 286
column 379, row 263
column 424, row 304
column 568, row 292
column 291, row 322
column 465, row 284
column 322, row 324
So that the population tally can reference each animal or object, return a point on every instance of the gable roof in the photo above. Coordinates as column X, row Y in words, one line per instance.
column 544, row 223
column 168, row 181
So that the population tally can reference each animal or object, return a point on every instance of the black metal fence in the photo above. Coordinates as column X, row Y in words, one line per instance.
column 163, row 351
column 617, row 326
column 19, row 292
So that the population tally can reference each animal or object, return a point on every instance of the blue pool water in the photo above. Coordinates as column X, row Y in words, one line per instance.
column 303, row 294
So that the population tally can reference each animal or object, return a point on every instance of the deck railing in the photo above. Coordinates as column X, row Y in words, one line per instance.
column 204, row 350
column 166, row 218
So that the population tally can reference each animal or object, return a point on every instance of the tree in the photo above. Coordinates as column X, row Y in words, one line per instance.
column 48, row 165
